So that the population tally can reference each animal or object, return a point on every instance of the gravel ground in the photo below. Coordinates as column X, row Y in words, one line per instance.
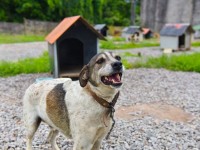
column 144, row 130
column 157, row 109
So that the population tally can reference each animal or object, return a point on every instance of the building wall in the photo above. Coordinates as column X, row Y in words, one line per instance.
column 169, row 42
column 156, row 13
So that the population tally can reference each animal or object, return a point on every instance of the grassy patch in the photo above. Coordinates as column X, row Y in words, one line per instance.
column 111, row 44
column 182, row 62
column 118, row 39
column 196, row 44
column 8, row 38
column 127, row 64
column 120, row 43
column 128, row 54
column 29, row 65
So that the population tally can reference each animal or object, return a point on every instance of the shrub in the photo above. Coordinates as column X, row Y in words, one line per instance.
column 184, row 62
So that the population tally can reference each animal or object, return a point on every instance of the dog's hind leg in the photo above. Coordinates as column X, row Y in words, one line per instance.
column 52, row 139
column 31, row 129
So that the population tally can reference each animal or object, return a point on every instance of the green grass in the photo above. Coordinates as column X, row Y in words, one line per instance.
column 196, row 44
column 41, row 64
column 117, row 39
column 184, row 62
column 128, row 54
column 29, row 65
column 120, row 43
column 8, row 38
column 127, row 64
column 113, row 45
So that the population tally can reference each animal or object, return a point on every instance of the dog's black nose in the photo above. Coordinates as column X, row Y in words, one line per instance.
column 117, row 65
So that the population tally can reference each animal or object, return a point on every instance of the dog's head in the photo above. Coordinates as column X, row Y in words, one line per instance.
column 104, row 69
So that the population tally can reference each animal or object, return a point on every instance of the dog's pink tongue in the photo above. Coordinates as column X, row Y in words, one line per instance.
column 116, row 77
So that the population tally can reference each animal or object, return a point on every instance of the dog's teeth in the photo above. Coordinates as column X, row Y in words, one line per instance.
column 113, row 81
column 106, row 78
column 118, row 76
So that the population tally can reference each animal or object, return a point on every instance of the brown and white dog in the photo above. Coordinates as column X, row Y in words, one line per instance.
column 78, row 109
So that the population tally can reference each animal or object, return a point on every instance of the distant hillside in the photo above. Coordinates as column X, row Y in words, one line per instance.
column 155, row 13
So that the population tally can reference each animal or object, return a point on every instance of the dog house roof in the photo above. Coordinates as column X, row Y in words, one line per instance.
column 132, row 29
column 100, row 26
column 145, row 30
column 175, row 29
column 65, row 24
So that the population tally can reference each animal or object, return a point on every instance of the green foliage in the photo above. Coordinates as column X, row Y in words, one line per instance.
column 7, row 38
column 116, row 12
column 31, row 9
column 184, row 62
column 111, row 12
column 29, row 65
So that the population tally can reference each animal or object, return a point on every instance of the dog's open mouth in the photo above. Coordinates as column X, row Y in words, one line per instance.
column 114, row 79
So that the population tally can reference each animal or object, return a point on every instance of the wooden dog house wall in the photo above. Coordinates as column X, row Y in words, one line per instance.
column 74, row 48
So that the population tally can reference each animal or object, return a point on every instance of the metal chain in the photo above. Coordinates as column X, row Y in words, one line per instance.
column 112, row 110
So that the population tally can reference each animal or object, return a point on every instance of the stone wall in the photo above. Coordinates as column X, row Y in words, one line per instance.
column 155, row 13
column 11, row 28
column 28, row 27
column 38, row 27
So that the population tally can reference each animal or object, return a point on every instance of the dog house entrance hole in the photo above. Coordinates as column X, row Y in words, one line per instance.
column 181, row 40
column 70, row 57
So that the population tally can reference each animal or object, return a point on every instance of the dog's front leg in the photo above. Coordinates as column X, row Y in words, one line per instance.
column 100, row 134
column 52, row 139
column 97, row 145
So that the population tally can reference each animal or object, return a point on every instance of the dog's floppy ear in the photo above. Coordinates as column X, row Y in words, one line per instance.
column 84, row 76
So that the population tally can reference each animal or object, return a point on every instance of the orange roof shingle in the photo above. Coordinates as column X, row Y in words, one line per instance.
column 64, row 25
column 145, row 30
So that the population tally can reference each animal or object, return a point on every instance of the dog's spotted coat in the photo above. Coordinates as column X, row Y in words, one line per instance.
column 68, row 107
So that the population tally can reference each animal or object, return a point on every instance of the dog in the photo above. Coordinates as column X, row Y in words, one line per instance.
column 81, row 110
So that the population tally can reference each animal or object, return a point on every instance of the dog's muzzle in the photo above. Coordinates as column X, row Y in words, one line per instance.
column 114, row 79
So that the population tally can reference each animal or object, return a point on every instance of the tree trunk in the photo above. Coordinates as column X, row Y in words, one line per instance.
column 132, row 12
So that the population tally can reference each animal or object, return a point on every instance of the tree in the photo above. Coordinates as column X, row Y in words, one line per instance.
column 88, row 10
column 111, row 12
column 97, row 11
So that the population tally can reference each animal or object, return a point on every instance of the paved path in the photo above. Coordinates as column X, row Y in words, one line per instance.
column 14, row 52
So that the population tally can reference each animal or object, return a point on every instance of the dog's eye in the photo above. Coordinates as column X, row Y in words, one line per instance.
column 101, row 60
column 118, row 58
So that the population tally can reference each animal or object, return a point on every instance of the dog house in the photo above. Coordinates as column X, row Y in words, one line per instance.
column 197, row 31
column 176, row 36
column 102, row 28
column 132, row 33
column 71, row 45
